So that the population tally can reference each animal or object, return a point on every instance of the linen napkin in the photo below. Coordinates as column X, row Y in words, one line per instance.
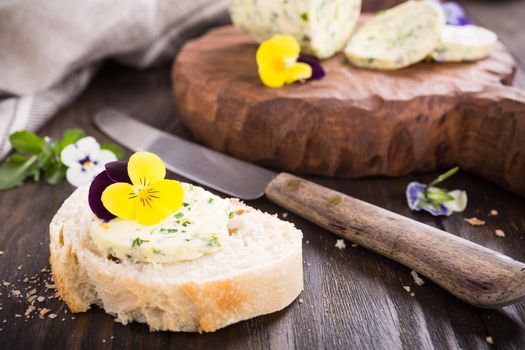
column 49, row 50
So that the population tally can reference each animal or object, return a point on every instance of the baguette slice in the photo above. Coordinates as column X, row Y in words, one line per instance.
column 464, row 43
column 259, row 271
column 398, row 37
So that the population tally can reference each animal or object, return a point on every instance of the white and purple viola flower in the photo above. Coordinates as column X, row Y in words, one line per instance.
column 85, row 160
column 455, row 14
column 436, row 201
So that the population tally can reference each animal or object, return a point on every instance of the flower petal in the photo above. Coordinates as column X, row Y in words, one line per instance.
column 165, row 198
column 317, row 69
column 271, row 78
column 414, row 194
column 104, row 156
column 298, row 71
column 455, row 14
column 77, row 176
column 170, row 194
column 118, row 171
column 120, row 200
column 278, row 48
column 69, row 155
column 87, row 144
column 459, row 203
column 98, row 185
column 145, row 168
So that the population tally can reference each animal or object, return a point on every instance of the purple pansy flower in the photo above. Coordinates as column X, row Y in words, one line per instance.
column 115, row 172
column 317, row 69
column 455, row 14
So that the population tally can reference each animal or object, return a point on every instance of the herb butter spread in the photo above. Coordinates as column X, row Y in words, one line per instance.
column 322, row 27
column 464, row 43
column 398, row 37
column 199, row 227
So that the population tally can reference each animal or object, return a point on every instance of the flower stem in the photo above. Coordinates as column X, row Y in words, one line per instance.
column 444, row 176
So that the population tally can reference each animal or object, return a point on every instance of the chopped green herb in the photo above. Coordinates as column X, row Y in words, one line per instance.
column 210, row 200
column 304, row 16
column 185, row 204
column 231, row 214
column 169, row 230
column 155, row 251
column 137, row 242
column 213, row 241
column 178, row 215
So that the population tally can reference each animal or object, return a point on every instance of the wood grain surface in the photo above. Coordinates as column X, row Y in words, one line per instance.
column 353, row 298
column 355, row 122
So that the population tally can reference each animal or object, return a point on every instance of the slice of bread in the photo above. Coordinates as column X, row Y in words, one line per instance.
column 258, row 272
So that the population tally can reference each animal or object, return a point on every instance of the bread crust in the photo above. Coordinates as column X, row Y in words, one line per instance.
column 84, row 278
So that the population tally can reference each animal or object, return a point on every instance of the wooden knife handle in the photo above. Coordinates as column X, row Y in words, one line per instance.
column 473, row 273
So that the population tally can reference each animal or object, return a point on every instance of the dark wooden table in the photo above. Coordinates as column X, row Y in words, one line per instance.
column 353, row 298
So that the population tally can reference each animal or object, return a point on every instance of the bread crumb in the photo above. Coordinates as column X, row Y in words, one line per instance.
column 285, row 215
column 103, row 340
column 499, row 233
column 44, row 311
column 301, row 301
column 19, row 267
column 18, row 315
column 1, row 252
column 475, row 221
column 29, row 310
column 7, row 284
column 412, row 294
column 407, row 288
column 493, row 212
column 418, row 280
column 354, row 245
column 52, row 316
column 340, row 244
column 307, row 242
column 489, row 340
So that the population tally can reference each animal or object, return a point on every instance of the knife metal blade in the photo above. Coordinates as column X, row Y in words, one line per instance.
column 200, row 164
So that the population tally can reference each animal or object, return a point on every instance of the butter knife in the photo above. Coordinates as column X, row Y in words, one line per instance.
column 475, row 274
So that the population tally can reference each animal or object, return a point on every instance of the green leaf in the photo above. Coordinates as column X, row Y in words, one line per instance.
column 70, row 136
column 444, row 176
column 15, row 170
column 55, row 175
column 26, row 142
column 116, row 149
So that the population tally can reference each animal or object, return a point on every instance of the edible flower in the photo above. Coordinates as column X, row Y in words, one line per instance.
column 142, row 194
column 277, row 62
column 455, row 14
column 85, row 159
column 436, row 201
column 317, row 69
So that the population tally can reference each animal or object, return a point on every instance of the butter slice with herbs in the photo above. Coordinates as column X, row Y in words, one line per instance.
column 200, row 227
column 464, row 43
column 322, row 27
column 397, row 38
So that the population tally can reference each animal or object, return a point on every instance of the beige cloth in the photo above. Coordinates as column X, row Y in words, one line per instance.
column 50, row 49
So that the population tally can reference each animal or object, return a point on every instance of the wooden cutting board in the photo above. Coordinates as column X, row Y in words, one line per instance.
column 355, row 122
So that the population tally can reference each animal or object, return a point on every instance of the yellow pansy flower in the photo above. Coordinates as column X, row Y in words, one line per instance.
column 277, row 62
column 149, row 198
